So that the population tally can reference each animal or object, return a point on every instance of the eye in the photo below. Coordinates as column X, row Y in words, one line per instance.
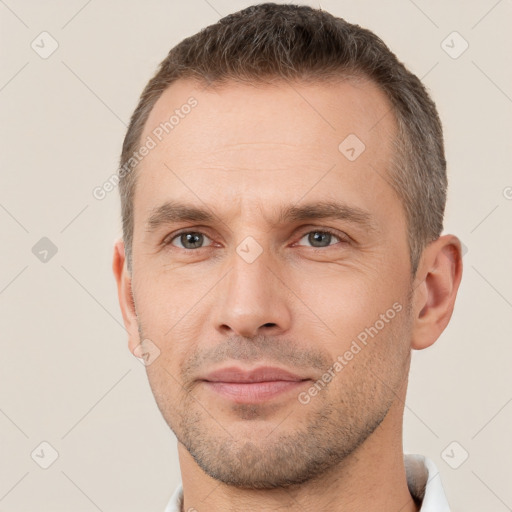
column 188, row 240
column 320, row 238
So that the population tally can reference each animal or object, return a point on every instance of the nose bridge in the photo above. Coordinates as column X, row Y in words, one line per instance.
column 251, row 298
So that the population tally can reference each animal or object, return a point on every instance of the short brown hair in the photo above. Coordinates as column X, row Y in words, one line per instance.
column 268, row 42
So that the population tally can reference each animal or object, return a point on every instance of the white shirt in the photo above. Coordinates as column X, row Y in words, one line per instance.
column 423, row 480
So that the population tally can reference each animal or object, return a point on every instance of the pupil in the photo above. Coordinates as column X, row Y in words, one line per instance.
column 318, row 236
column 193, row 239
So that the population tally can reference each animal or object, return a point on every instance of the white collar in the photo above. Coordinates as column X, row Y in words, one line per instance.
column 423, row 480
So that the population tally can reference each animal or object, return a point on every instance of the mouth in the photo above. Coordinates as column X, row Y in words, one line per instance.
column 254, row 386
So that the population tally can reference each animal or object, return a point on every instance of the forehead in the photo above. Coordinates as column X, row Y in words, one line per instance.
column 232, row 112
column 276, row 143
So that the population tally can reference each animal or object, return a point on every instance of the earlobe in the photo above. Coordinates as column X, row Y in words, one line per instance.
column 124, row 292
column 439, row 276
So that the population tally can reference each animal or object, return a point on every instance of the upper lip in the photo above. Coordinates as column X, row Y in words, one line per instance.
column 260, row 374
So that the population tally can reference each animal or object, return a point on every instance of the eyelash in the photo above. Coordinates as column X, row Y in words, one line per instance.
column 342, row 238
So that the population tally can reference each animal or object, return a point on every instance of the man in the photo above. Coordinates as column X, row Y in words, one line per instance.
column 283, row 186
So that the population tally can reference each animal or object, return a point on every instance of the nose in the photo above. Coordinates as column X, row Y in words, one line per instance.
column 253, row 299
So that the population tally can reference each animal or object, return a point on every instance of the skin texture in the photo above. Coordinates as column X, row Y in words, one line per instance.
column 243, row 153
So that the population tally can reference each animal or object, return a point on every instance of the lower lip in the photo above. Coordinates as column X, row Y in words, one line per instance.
column 254, row 392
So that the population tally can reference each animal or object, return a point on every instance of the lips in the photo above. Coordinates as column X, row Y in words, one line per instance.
column 261, row 374
column 253, row 386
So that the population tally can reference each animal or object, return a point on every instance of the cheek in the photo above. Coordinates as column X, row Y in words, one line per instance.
column 167, row 317
column 362, row 320
column 166, row 301
column 344, row 302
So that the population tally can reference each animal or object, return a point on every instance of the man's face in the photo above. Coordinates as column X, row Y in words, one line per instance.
column 266, row 281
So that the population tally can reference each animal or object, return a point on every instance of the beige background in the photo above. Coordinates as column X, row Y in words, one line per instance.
column 66, row 374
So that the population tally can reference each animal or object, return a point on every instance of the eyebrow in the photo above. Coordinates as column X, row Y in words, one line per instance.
column 174, row 212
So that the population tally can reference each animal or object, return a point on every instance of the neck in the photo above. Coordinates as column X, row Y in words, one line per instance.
column 370, row 479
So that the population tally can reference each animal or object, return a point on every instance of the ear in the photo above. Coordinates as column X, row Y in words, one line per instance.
column 124, row 292
column 435, row 289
